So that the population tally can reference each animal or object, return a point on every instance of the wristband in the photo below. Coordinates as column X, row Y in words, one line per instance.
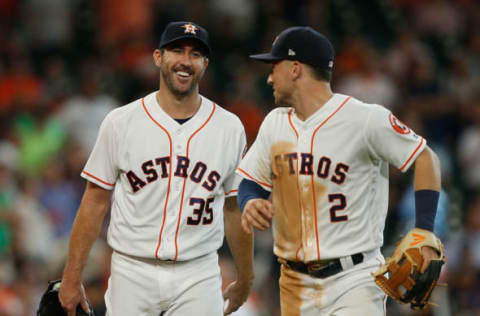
column 426, row 202
column 248, row 190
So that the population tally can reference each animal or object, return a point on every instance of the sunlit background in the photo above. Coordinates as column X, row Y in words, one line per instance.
column 64, row 64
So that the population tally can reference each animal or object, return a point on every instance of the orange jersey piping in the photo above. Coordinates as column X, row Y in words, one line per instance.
column 412, row 155
column 298, row 187
column 169, row 178
column 98, row 179
column 312, row 178
column 252, row 178
column 231, row 191
column 291, row 123
column 185, row 181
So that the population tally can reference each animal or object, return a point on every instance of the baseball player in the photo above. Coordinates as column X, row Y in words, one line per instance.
column 319, row 171
column 172, row 186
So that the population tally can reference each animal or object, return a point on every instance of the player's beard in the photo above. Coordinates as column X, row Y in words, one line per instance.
column 168, row 78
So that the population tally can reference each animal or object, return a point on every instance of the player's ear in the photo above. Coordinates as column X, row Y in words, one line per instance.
column 205, row 64
column 157, row 57
column 296, row 70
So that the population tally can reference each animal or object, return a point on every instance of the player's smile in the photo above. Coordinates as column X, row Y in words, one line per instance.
column 182, row 82
column 184, row 75
column 182, row 79
column 182, row 66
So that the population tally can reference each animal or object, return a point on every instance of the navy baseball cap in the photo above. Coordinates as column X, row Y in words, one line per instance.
column 301, row 43
column 175, row 31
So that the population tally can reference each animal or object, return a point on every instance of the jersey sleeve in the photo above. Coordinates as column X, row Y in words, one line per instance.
column 231, row 183
column 256, row 164
column 391, row 140
column 101, row 167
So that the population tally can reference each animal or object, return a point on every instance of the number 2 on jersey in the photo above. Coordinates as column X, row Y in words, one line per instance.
column 341, row 203
column 198, row 212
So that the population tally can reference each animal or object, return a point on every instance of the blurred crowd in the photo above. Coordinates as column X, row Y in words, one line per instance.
column 64, row 64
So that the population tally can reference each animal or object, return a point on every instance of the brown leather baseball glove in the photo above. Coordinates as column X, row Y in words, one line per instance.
column 404, row 282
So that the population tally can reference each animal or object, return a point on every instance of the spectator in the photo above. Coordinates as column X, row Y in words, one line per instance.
column 368, row 83
column 83, row 113
column 469, row 148
column 40, row 138
column 19, row 87
column 59, row 199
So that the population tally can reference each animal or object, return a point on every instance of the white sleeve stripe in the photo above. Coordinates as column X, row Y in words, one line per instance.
column 98, row 179
column 253, row 179
column 412, row 155
column 291, row 123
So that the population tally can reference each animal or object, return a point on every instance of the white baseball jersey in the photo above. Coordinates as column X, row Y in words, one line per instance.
column 170, row 180
column 329, row 175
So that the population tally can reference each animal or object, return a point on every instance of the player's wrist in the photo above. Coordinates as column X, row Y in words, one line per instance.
column 245, row 276
column 253, row 200
column 71, row 282
column 245, row 280
column 249, row 190
column 426, row 202
column 71, row 277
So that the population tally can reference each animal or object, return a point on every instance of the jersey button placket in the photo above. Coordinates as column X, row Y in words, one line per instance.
column 178, row 141
column 179, row 150
column 304, row 185
column 178, row 180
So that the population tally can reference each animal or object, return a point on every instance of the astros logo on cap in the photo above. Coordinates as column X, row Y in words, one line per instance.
column 190, row 28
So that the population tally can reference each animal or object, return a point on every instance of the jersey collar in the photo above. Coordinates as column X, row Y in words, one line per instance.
column 160, row 115
column 322, row 113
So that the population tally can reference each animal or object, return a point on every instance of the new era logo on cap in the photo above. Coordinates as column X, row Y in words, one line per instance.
column 291, row 52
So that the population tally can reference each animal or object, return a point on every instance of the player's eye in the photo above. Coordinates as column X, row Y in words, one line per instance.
column 274, row 64
column 197, row 54
column 177, row 50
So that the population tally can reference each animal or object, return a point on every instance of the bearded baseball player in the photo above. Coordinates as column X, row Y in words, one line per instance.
column 318, row 170
column 159, row 163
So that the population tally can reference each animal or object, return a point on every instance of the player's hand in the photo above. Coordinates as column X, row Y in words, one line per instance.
column 257, row 213
column 428, row 254
column 72, row 294
column 235, row 295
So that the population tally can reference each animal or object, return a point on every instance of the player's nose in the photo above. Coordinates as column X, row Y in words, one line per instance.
column 270, row 80
column 186, row 58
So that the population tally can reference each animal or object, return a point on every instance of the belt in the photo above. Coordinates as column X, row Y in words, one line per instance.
column 321, row 269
